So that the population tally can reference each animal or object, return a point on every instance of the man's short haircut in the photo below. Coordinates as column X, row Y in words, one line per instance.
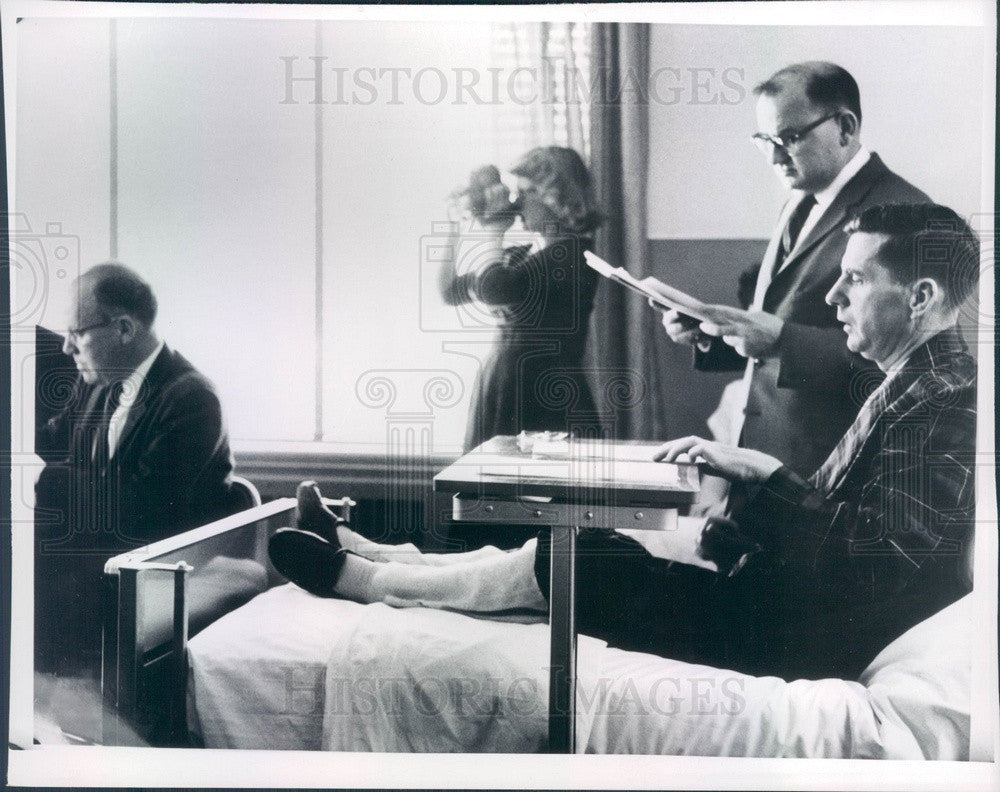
column 924, row 241
column 119, row 290
column 827, row 85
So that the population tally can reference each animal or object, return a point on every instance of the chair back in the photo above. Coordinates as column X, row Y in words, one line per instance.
column 243, row 493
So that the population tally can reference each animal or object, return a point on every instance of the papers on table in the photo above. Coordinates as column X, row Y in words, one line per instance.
column 574, row 470
column 592, row 471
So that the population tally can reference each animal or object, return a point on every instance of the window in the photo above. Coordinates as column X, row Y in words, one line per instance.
column 286, row 237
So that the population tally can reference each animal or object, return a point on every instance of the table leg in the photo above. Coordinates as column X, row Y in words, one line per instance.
column 562, row 618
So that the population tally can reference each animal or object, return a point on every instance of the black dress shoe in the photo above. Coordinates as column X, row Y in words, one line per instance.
column 312, row 515
column 308, row 560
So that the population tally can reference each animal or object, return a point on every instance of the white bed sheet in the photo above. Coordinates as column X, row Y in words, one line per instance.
column 257, row 676
column 912, row 702
column 267, row 674
column 340, row 676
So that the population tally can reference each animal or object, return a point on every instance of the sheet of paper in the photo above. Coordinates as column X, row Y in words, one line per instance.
column 652, row 288
column 586, row 470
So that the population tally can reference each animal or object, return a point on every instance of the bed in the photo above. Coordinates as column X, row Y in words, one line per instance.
column 218, row 651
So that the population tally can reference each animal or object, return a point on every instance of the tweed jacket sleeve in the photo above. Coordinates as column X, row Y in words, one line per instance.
column 905, row 494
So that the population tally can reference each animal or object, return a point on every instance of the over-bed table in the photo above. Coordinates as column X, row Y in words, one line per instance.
column 589, row 484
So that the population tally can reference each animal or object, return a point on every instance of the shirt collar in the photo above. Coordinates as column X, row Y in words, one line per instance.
column 826, row 196
column 137, row 377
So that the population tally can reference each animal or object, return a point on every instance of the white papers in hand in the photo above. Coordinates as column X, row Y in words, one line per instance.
column 651, row 288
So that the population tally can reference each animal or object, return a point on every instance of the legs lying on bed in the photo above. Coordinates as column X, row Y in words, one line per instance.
column 636, row 601
column 625, row 595
column 408, row 553
column 312, row 515
column 322, row 555
column 486, row 584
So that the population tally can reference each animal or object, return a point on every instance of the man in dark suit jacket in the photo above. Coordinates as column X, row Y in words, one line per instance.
column 874, row 542
column 802, row 383
column 138, row 453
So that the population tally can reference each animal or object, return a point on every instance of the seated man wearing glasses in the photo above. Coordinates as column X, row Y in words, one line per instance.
column 799, row 399
column 138, row 452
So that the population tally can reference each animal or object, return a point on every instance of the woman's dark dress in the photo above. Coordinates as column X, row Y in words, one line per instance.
column 533, row 379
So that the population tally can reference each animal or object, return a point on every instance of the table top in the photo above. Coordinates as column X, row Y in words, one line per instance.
column 608, row 472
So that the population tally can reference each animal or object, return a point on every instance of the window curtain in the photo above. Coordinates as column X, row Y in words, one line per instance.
column 626, row 338
column 544, row 69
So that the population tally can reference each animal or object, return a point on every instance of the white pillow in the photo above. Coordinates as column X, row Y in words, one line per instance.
column 920, row 685
column 912, row 702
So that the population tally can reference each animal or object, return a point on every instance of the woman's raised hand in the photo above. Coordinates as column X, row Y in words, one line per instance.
column 498, row 213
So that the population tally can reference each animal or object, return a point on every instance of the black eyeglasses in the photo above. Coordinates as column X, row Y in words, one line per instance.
column 788, row 138
column 75, row 333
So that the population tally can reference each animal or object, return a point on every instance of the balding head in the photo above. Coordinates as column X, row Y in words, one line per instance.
column 809, row 121
column 110, row 326
column 827, row 86
column 118, row 290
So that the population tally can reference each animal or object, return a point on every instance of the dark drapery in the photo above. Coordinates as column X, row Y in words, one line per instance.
column 625, row 335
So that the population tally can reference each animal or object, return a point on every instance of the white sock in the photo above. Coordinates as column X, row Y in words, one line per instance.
column 355, row 579
column 407, row 553
column 499, row 582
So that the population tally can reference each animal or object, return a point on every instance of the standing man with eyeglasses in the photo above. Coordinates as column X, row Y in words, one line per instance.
column 799, row 398
column 138, row 453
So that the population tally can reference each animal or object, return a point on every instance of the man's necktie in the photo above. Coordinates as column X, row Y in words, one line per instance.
column 794, row 227
column 832, row 472
column 111, row 397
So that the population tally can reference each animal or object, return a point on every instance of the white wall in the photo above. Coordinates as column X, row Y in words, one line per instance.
column 62, row 132
column 216, row 200
column 921, row 98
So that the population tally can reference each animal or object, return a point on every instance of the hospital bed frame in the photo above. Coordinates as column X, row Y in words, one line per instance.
column 152, row 604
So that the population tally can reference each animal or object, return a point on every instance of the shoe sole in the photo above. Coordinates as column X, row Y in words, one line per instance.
column 306, row 559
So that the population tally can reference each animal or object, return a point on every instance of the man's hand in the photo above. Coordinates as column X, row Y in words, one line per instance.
column 731, row 462
column 683, row 329
column 750, row 333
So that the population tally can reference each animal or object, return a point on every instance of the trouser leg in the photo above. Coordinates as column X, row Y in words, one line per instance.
column 635, row 601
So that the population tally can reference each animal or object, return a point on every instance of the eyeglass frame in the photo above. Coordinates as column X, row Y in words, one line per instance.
column 794, row 137
column 74, row 333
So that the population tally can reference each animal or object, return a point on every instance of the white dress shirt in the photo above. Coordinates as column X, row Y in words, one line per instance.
column 740, row 394
column 131, row 386
column 826, row 196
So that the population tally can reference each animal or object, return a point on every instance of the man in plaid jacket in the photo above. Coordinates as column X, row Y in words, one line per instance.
column 878, row 539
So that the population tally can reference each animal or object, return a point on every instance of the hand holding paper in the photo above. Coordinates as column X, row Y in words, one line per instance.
column 751, row 333
column 683, row 329
column 656, row 292
column 688, row 320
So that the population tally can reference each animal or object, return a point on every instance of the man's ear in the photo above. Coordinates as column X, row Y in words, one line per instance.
column 127, row 328
column 849, row 126
column 924, row 294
